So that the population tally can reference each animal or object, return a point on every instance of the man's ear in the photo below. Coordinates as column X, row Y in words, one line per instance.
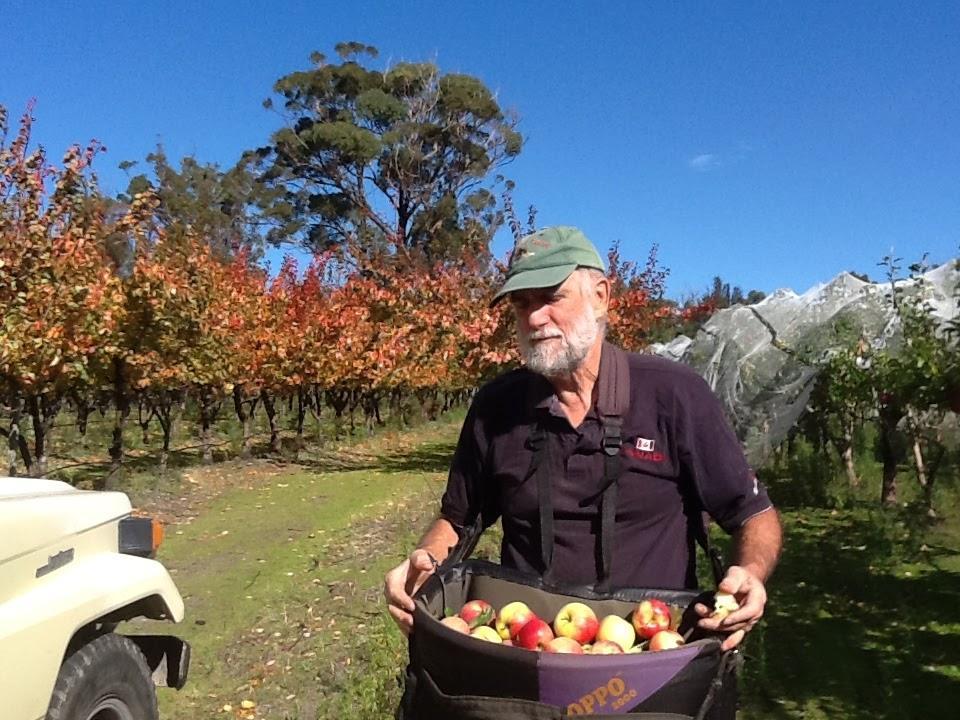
column 601, row 297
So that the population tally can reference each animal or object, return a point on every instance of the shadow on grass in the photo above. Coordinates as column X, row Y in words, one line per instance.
column 426, row 458
column 850, row 632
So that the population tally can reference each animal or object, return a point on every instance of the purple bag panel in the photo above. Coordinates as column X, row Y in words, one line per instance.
column 607, row 684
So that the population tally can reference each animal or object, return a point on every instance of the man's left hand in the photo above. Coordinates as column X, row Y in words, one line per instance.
column 751, row 596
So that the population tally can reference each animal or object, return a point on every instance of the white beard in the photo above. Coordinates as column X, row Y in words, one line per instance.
column 563, row 356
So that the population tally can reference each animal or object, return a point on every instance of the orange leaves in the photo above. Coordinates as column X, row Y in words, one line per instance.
column 174, row 316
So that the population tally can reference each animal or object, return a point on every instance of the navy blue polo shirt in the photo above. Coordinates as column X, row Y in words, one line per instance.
column 679, row 457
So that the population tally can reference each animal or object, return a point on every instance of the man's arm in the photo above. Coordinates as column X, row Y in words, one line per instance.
column 757, row 545
column 407, row 577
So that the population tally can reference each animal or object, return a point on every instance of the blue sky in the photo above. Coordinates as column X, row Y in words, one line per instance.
column 772, row 143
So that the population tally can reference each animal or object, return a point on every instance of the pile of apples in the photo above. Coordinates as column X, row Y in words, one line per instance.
column 575, row 629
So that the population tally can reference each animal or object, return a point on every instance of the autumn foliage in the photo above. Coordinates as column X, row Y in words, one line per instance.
column 175, row 327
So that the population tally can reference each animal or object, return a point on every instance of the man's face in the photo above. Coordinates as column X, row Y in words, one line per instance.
column 556, row 327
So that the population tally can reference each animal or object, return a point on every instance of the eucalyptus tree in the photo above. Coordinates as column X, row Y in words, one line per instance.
column 399, row 163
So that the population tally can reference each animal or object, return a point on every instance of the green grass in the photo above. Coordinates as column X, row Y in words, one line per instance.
column 282, row 577
column 282, row 584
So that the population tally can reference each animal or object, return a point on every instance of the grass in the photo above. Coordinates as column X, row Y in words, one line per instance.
column 282, row 584
column 282, row 573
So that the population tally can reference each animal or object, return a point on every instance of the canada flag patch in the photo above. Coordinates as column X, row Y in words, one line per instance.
column 645, row 449
column 645, row 445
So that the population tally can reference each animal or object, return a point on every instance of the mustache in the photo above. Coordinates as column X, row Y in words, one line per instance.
column 544, row 334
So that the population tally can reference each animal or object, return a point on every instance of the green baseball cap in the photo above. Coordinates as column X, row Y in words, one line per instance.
column 546, row 258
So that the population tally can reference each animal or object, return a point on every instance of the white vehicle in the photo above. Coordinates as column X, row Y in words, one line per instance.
column 73, row 565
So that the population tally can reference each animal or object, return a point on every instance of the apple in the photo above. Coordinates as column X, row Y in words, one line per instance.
column 650, row 617
column 454, row 622
column 605, row 647
column 724, row 603
column 477, row 613
column 534, row 634
column 665, row 640
column 576, row 621
column 512, row 617
column 618, row 630
column 563, row 645
column 485, row 632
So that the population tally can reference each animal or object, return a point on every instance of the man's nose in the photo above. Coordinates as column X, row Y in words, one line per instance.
column 536, row 315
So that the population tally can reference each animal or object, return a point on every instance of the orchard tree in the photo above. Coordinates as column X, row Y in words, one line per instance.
column 394, row 162
column 637, row 307
column 61, row 304
column 842, row 398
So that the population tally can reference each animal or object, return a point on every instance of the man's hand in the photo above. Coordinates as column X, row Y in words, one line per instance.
column 402, row 582
column 751, row 596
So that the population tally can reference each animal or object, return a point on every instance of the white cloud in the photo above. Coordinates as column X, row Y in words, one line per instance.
column 704, row 162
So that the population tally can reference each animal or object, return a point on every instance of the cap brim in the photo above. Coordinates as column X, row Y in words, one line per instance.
column 534, row 280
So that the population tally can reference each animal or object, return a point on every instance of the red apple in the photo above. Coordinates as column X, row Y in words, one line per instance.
column 477, row 613
column 456, row 623
column 534, row 635
column 618, row 630
column 665, row 640
column 650, row 617
column 512, row 617
column 563, row 645
column 576, row 621
column 605, row 647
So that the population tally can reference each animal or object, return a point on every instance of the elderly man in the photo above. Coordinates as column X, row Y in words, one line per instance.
column 678, row 457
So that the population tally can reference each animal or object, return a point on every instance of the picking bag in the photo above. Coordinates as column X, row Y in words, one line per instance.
column 452, row 675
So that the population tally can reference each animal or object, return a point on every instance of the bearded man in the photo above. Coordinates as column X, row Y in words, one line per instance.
column 678, row 459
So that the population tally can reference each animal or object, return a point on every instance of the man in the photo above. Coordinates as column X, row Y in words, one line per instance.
column 678, row 458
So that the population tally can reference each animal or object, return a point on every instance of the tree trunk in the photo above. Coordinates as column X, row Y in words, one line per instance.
column 849, row 466
column 270, row 408
column 303, row 402
column 164, row 419
column 931, row 469
column 209, row 408
column 12, row 448
column 41, row 425
column 918, row 461
column 316, row 406
column 240, row 405
column 145, row 414
column 167, row 409
column 121, row 405
column 338, row 401
column 888, row 452
column 16, row 443
column 83, row 413
column 845, row 447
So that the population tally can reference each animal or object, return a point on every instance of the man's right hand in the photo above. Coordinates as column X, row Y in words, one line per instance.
column 401, row 583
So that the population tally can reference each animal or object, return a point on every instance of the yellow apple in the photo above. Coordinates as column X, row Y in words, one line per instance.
column 618, row 630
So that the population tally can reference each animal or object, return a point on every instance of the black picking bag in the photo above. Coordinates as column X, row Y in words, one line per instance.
column 452, row 675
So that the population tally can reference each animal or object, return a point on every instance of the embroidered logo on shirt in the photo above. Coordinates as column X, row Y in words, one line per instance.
column 644, row 449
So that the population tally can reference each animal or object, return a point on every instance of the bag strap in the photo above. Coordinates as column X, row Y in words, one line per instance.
column 613, row 399
column 713, row 553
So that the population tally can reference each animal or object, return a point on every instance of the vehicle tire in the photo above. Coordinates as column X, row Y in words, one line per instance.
column 106, row 679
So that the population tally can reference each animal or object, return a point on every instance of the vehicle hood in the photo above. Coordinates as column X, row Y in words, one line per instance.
column 37, row 513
